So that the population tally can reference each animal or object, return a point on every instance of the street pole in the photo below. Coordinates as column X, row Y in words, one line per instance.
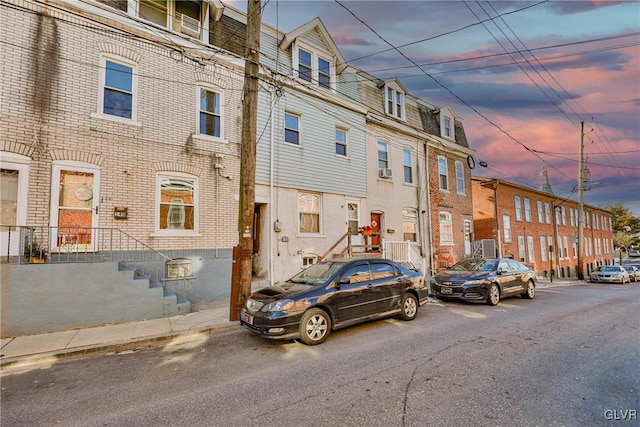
column 243, row 253
column 581, row 203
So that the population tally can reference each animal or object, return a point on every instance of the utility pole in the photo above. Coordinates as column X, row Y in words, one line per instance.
column 580, row 204
column 243, row 253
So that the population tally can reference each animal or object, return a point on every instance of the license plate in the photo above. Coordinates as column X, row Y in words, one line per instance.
column 246, row 318
column 446, row 290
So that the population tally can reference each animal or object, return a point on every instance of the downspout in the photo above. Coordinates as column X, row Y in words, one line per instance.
column 271, row 192
column 495, row 204
column 429, row 228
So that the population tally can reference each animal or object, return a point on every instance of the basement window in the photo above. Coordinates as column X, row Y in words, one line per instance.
column 178, row 268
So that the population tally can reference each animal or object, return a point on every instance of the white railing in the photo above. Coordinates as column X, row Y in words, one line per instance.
column 406, row 252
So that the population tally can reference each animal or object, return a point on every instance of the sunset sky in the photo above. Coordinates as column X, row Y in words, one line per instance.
column 521, row 74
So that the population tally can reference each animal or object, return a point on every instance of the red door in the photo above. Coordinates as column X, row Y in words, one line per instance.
column 376, row 221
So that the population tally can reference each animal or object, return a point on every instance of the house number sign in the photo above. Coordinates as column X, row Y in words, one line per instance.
column 120, row 212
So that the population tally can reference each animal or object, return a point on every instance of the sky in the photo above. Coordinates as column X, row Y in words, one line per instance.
column 522, row 75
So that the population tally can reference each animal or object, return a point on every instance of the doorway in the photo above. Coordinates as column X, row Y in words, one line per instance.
column 14, row 185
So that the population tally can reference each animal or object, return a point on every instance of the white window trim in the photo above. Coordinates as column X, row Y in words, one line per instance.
column 412, row 166
column 284, row 128
column 506, row 226
column 204, row 136
column 452, row 127
column 446, row 174
column 394, row 112
column 133, row 9
column 99, row 114
column 460, row 178
column 449, row 221
column 346, row 141
column 316, row 54
column 320, row 228
column 386, row 144
column 196, row 206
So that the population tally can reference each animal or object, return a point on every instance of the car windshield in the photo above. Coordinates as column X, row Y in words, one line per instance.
column 476, row 265
column 317, row 274
column 605, row 268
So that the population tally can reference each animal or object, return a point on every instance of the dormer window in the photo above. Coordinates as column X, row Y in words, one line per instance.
column 314, row 67
column 394, row 101
column 185, row 17
column 447, row 123
column 447, row 127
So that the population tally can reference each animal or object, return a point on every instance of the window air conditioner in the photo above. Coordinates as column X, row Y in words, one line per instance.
column 384, row 173
column 189, row 25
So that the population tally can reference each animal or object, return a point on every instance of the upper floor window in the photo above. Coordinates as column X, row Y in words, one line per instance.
column 446, row 229
column 459, row 177
column 314, row 67
column 443, row 173
column 540, row 212
column 447, row 127
column 547, row 212
column 177, row 196
column 563, row 215
column 527, row 209
column 309, row 212
column 383, row 155
column 118, row 89
column 182, row 16
column 408, row 165
column 506, row 225
column 292, row 128
column 341, row 142
column 518, row 206
column 394, row 101
column 210, row 113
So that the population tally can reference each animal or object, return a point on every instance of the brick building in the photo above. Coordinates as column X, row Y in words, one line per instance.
column 539, row 228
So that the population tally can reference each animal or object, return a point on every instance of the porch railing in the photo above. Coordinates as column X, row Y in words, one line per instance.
column 42, row 244
column 404, row 252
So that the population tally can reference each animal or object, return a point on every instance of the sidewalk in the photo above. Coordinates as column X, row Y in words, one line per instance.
column 209, row 317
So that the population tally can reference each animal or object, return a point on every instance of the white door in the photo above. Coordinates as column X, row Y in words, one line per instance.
column 353, row 222
column 74, row 207
column 14, row 184
column 467, row 237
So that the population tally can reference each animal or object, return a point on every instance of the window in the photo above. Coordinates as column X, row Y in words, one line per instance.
column 563, row 215
column 309, row 210
column 550, row 245
column 118, row 94
column 182, row 16
column 446, row 229
column 518, row 204
column 443, row 173
column 521, row 248
column 447, row 127
column 547, row 212
column 178, row 268
column 382, row 270
column 177, row 196
column 394, row 101
column 572, row 219
column 527, row 209
column 459, row 177
column 506, row 225
column 314, row 67
column 543, row 248
column 408, row 165
column 292, row 128
column 409, row 225
column 565, row 245
column 531, row 249
column 383, row 155
column 341, row 142
column 210, row 115
column 540, row 212
column 559, row 243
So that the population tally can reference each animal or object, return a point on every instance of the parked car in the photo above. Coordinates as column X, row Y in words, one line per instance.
column 486, row 280
column 634, row 272
column 610, row 274
column 334, row 294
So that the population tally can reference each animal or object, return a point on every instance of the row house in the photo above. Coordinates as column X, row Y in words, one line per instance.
column 126, row 150
column 539, row 228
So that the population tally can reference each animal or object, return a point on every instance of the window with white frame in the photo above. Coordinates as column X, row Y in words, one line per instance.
column 527, row 209
column 547, row 212
column 559, row 243
column 177, row 209
column 446, row 228
column 506, row 227
column 186, row 17
column 118, row 91
column 292, row 128
column 341, row 141
column 383, row 155
column 459, row 177
column 540, row 212
column 550, row 245
column 565, row 246
column 309, row 213
column 572, row 219
column 409, row 224
column 314, row 66
column 543, row 248
column 447, row 127
column 407, row 157
column 518, row 207
column 531, row 250
column 443, row 173
column 394, row 105
column 521, row 248
column 563, row 215
column 210, row 112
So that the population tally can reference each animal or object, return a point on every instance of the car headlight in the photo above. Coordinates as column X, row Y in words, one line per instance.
column 475, row 282
column 284, row 305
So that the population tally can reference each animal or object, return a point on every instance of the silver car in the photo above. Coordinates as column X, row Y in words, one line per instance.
column 610, row 274
column 634, row 272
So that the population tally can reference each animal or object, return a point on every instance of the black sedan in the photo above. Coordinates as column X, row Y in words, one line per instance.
column 334, row 294
column 485, row 280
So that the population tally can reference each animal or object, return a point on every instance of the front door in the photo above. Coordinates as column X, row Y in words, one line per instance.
column 74, row 207
column 353, row 222
column 467, row 237
column 14, row 184
column 376, row 226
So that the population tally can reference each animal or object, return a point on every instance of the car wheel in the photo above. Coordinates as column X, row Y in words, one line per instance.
column 530, row 292
column 409, row 305
column 315, row 327
column 494, row 295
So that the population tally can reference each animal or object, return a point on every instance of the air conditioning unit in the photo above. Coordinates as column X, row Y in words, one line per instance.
column 189, row 25
column 384, row 173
